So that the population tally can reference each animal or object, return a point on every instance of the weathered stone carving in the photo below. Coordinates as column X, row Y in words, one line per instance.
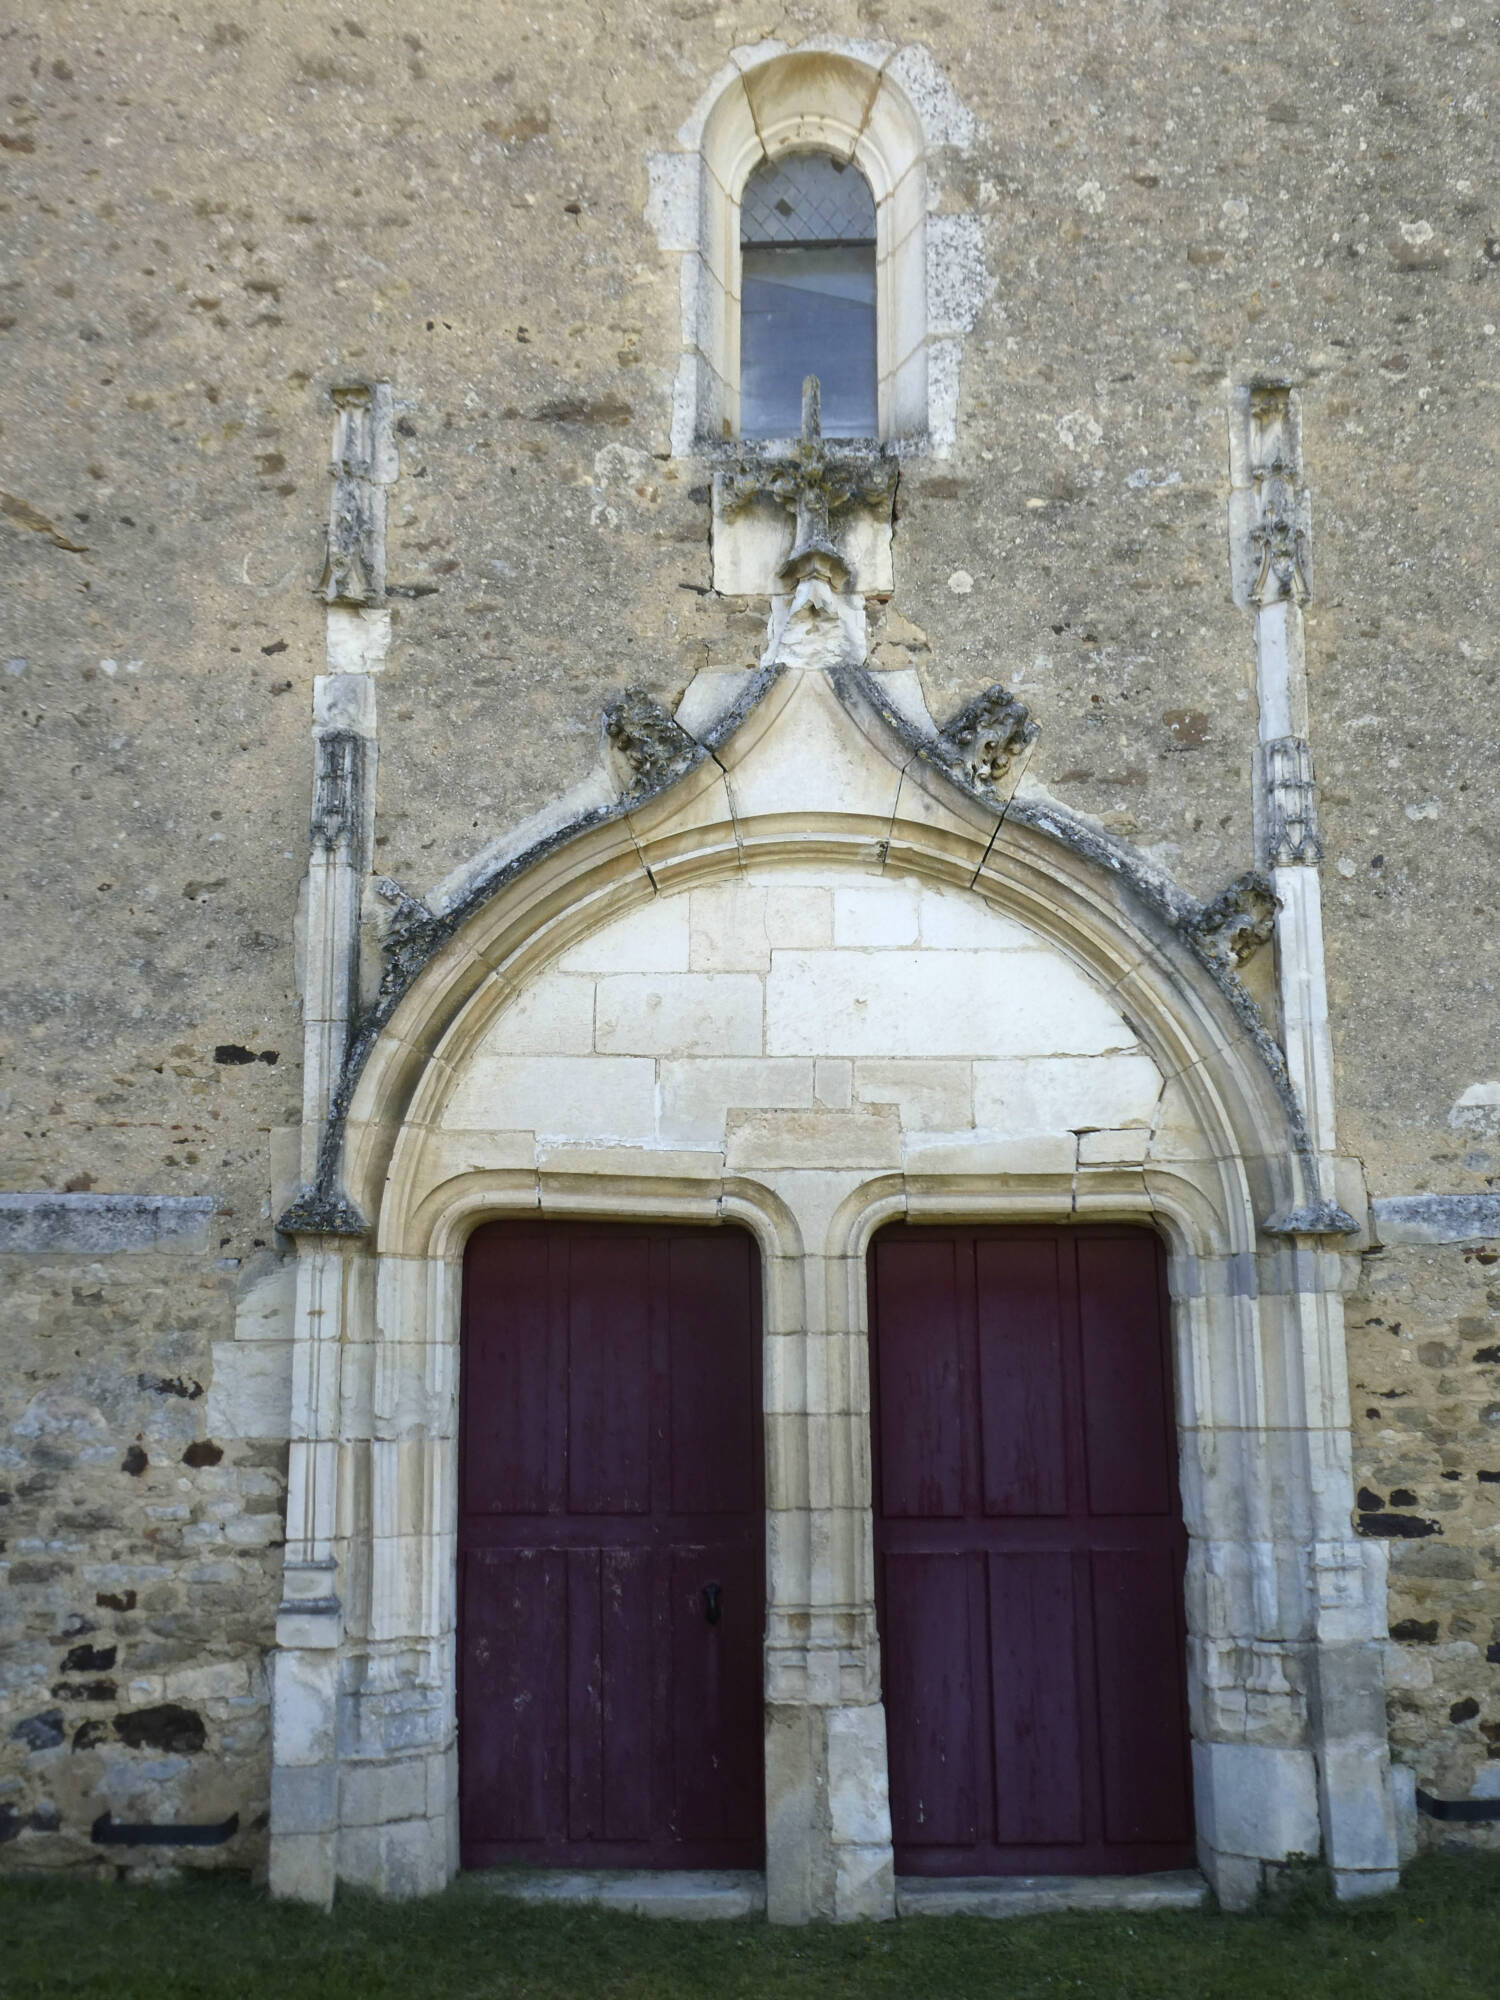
column 411, row 935
column 354, row 566
column 986, row 736
column 1291, row 833
column 1315, row 1218
column 338, row 789
column 1239, row 920
column 1281, row 535
column 815, row 482
column 656, row 749
column 319, row 1212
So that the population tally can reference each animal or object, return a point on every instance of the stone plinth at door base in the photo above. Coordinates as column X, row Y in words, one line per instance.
column 692, row 1895
column 1036, row 1895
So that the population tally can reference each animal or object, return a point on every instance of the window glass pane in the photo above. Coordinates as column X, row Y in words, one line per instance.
column 807, row 198
column 807, row 296
column 807, row 312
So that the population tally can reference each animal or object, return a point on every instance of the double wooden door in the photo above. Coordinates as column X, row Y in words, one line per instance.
column 1030, row 1552
column 611, row 1535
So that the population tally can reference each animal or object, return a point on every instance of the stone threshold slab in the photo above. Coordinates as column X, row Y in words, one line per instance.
column 1036, row 1895
column 691, row 1894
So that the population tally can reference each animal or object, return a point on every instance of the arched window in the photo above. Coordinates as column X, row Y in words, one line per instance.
column 807, row 296
column 781, row 123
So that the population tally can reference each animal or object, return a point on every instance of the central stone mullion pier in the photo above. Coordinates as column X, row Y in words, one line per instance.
column 828, row 1828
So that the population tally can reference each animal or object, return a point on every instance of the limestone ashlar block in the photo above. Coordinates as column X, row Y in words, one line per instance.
column 864, row 1884
column 302, row 1706
column 302, row 1868
column 736, row 925
column 958, row 920
column 372, row 1793
column 1256, row 1801
column 936, row 1004
column 559, row 1097
column 1067, row 1094
column 859, row 1805
column 822, row 766
column 304, row 1798
column 680, row 1014
column 930, row 1096
column 697, row 1094
column 653, row 938
column 867, row 1135
column 1111, row 1149
column 250, row 1394
column 884, row 916
column 554, row 1015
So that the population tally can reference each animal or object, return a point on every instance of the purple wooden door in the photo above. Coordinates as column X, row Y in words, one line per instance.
column 611, row 1548
column 1030, row 1552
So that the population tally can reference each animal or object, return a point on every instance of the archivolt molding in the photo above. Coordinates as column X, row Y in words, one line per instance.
column 1133, row 930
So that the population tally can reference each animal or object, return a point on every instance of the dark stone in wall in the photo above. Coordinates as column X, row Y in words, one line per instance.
column 1422, row 1631
column 134, row 1462
column 167, row 1727
column 40, row 1732
column 1407, row 1527
column 89, row 1659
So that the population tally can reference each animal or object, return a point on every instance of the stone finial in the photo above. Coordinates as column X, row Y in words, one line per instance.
column 1281, row 531
column 986, row 736
column 656, row 749
column 1239, row 920
column 354, row 564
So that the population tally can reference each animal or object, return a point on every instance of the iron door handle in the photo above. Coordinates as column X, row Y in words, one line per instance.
column 712, row 1609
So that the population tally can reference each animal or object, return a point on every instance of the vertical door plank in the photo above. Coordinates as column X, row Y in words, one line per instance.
column 515, row 1718
column 713, row 1386
column 1023, row 1448
column 1127, row 1414
column 929, row 1607
column 631, row 1791
column 609, row 1376
column 717, row 1725
column 507, row 1402
column 585, row 1696
column 1035, row 1692
column 1142, row 1714
column 918, row 1357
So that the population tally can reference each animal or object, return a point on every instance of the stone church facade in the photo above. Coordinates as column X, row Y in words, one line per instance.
column 737, row 1134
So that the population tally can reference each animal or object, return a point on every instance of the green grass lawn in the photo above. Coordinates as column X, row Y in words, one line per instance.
column 1438, row 1939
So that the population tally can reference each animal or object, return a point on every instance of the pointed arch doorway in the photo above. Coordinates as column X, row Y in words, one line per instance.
column 611, row 1547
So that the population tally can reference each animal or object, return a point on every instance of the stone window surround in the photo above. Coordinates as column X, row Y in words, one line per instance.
column 1284, row 1606
column 889, row 111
